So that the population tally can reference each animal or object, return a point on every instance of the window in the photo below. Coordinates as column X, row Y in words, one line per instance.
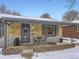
column 49, row 30
column 52, row 30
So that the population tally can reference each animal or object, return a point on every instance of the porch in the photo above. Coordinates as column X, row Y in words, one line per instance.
column 34, row 34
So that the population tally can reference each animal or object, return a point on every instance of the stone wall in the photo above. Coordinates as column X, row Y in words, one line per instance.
column 35, row 31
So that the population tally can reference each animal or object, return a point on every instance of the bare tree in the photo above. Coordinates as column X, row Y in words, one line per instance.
column 2, row 9
column 15, row 13
column 18, row 14
column 70, row 15
column 70, row 3
column 8, row 12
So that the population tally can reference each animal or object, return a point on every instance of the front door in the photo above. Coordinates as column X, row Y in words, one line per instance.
column 25, row 33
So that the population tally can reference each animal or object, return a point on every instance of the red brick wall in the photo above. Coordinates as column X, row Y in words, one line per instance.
column 69, row 31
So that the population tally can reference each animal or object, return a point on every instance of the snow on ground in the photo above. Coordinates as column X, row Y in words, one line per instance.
column 18, row 56
column 72, row 53
column 0, row 50
column 68, row 40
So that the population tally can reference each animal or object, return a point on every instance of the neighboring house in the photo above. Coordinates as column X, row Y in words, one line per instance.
column 71, row 31
column 28, row 28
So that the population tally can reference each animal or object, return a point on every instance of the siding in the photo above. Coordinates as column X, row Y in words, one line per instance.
column 69, row 31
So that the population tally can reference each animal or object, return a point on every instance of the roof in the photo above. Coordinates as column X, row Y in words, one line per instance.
column 76, row 21
column 25, row 19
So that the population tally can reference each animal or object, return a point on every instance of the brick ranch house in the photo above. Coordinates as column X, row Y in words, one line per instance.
column 26, row 28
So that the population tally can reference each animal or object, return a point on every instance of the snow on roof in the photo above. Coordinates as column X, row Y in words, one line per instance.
column 75, row 21
column 24, row 17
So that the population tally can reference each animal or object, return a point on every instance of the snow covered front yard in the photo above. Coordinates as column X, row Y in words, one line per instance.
column 18, row 56
column 72, row 53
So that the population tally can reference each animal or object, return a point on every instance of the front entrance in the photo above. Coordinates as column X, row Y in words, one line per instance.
column 25, row 33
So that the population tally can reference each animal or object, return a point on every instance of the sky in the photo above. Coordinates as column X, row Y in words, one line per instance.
column 35, row 8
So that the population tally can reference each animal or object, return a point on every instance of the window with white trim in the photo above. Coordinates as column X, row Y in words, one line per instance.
column 52, row 30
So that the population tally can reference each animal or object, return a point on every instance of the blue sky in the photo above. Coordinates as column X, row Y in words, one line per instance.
column 35, row 8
